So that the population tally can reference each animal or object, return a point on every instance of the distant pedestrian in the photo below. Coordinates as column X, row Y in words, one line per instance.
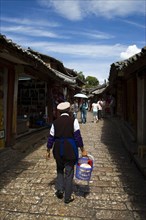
column 84, row 109
column 95, row 112
column 65, row 138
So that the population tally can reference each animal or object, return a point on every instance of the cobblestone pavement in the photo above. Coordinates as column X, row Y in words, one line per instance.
column 117, row 190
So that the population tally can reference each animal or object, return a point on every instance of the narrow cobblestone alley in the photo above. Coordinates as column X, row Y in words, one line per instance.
column 117, row 189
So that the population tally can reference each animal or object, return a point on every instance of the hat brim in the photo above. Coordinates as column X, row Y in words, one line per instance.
column 63, row 106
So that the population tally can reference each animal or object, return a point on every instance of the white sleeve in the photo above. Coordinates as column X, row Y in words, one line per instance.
column 52, row 130
column 76, row 125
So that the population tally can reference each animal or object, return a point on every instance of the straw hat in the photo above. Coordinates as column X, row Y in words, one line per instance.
column 63, row 106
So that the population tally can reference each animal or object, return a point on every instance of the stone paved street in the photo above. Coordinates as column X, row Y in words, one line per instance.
column 117, row 189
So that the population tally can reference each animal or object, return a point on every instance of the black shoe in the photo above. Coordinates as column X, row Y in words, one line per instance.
column 59, row 194
column 69, row 200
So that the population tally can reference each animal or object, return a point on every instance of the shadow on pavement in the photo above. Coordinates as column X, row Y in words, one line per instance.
column 12, row 160
column 124, row 172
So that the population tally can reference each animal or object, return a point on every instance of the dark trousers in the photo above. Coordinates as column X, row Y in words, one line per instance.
column 83, row 116
column 65, row 174
column 99, row 114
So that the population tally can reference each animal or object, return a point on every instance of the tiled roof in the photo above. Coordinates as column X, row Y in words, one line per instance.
column 30, row 55
column 125, row 67
column 120, row 65
column 66, row 78
column 104, row 85
column 100, row 89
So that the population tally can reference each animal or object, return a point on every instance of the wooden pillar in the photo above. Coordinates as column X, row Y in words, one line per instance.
column 3, row 98
column 49, row 103
column 12, row 105
column 141, row 105
column 11, row 79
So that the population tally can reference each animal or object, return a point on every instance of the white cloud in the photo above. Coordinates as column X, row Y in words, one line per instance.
column 91, row 51
column 31, row 31
column 68, row 9
column 134, row 24
column 97, row 35
column 130, row 51
column 78, row 9
column 29, row 28
column 112, row 8
column 33, row 21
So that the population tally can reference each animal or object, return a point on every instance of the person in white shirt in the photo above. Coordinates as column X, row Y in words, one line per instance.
column 95, row 112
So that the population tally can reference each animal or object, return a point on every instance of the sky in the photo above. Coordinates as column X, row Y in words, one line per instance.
column 85, row 35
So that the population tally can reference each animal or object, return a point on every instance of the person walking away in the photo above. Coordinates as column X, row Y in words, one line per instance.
column 65, row 139
column 95, row 112
column 84, row 109
column 99, row 103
